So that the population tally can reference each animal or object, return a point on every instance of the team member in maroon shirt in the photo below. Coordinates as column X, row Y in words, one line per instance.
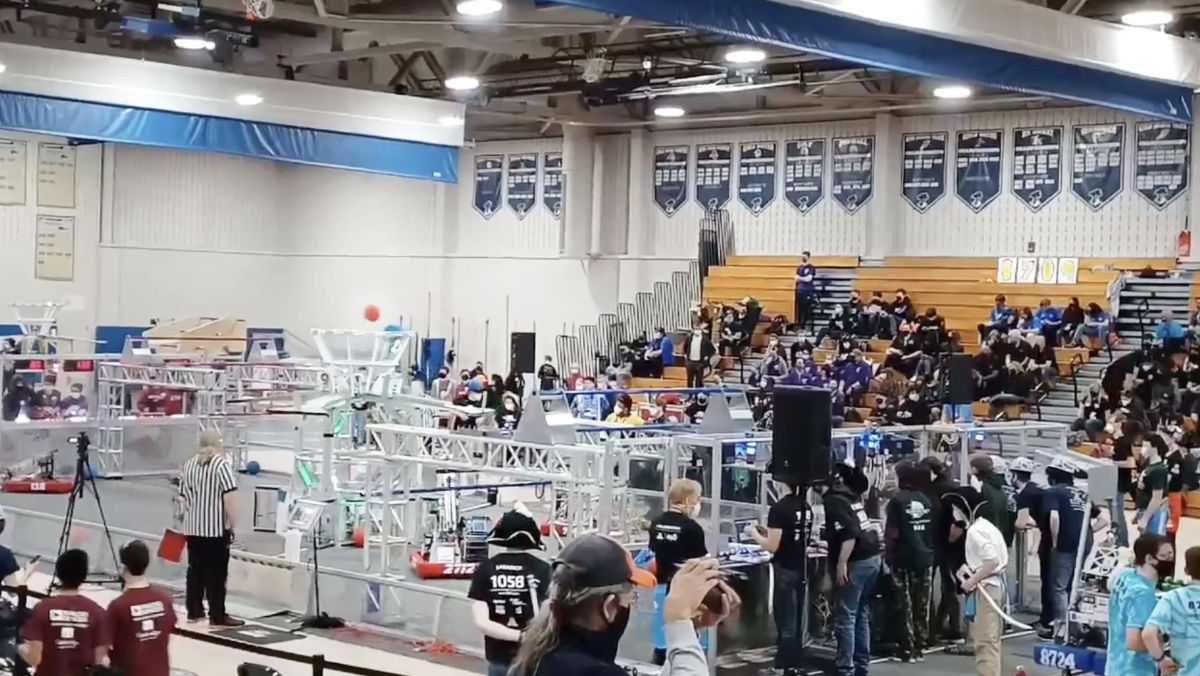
column 67, row 634
column 141, row 618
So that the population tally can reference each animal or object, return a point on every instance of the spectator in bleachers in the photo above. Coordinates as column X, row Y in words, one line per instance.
column 589, row 404
column 914, row 410
column 510, row 411
column 697, row 350
column 442, row 387
column 987, row 367
column 774, row 365
column 1072, row 318
column 547, row 376
column 932, row 330
column 495, row 392
column 575, row 378
column 855, row 314
column 1025, row 323
column 878, row 319
column 624, row 413
column 1096, row 324
column 855, row 375
column 1043, row 363
column 661, row 352
column 1131, row 409
column 901, row 309
column 1048, row 319
column 1000, row 320
column 1093, row 412
column 840, row 324
column 515, row 382
column 905, row 354
column 806, row 292
column 1170, row 333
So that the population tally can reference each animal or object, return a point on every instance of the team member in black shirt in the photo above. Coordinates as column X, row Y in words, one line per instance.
column 1065, row 508
column 1181, row 478
column 1131, row 434
column 508, row 588
column 854, row 548
column 909, row 551
column 675, row 537
column 785, row 538
column 1151, row 498
column 1030, row 517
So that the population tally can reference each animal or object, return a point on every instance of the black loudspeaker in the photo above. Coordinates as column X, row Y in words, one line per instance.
column 801, row 441
column 960, row 381
column 523, row 349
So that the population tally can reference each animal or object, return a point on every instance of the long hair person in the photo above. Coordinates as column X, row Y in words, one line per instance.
column 208, row 492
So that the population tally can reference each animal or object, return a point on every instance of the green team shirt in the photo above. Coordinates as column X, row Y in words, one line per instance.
column 910, row 516
column 1154, row 478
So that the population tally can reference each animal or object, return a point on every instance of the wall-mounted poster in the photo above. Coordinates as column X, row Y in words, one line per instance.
column 977, row 179
column 521, row 183
column 1047, row 271
column 552, row 184
column 1006, row 270
column 1026, row 270
column 714, row 163
column 853, row 171
column 671, row 177
column 12, row 171
column 489, row 184
column 804, row 172
column 923, row 173
column 1096, row 162
column 756, row 175
column 1037, row 165
column 56, row 175
column 54, row 250
column 1068, row 270
column 1161, row 169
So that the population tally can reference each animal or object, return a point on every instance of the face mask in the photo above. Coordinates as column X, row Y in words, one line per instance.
column 976, row 482
column 914, row 397
column 695, row 511
column 608, row 640
column 1165, row 568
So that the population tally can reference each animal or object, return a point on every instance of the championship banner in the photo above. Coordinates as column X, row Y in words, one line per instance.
column 1161, row 171
column 756, row 175
column 853, row 171
column 552, row 184
column 1037, row 165
column 489, row 183
column 1096, row 163
column 521, row 183
column 671, row 177
column 923, row 174
column 977, row 158
column 713, row 166
column 804, row 172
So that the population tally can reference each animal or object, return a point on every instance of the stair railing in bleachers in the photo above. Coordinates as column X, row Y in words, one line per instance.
column 1075, row 364
column 1142, row 309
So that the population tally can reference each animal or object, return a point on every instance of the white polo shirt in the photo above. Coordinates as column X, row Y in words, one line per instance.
column 985, row 543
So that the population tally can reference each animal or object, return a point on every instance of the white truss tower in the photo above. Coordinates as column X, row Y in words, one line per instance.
column 36, row 320
column 366, row 362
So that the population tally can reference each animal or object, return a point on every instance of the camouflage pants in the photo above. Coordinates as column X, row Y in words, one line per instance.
column 912, row 606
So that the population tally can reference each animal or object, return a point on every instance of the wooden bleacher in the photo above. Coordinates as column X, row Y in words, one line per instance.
column 769, row 279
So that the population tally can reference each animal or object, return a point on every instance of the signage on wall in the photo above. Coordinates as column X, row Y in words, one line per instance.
column 552, row 184
column 489, row 172
column 804, row 172
column 1037, row 165
column 56, row 175
column 853, row 171
column 756, row 175
column 1096, row 162
column 977, row 158
column 1026, row 270
column 713, row 166
column 12, row 171
column 1047, row 271
column 1161, row 169
column 671, row 177
column 54, row 249
column 521, row 183
column 1012, row 270
column 923, row 173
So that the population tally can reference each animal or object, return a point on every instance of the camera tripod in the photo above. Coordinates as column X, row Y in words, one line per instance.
column 84, row 478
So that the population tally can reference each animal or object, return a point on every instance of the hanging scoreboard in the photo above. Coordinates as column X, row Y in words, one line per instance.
column 671, row 177
column 756, row 175
column 713, row 166
column 1097, row 154
column 853, row 171
column 489, row 184
column 1161, row 168
column 804, row 172
column 1037, row 165
column 977, row 156
column 923, row 173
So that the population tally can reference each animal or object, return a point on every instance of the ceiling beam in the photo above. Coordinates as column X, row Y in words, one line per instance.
column 1072, row 6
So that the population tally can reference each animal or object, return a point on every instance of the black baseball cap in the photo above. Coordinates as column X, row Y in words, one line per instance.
column 597, row 561
column 516, row 531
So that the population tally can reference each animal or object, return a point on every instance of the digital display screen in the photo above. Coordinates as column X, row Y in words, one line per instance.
column 79, row 365
column 35, row 365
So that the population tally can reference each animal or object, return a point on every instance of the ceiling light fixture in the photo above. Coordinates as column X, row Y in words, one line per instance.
column 248, row 99
column 450, row 121
column 669, row 111
column 462, row 83
column 193, row 42
column 743, row 55
column 479, row 7
column 1147, row 17
column 953, row 92
column 3, row 68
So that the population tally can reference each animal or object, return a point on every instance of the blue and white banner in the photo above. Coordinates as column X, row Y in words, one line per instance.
column 1161, row 172
column 1097, row 158
column 804, row 172
column 923, row 173
column 1037, row 165
column 671, row 177
column 853, row 171
column 489, row 184
column 977, row 155
column 552, row 184
column 756, row 175
column 713, row 166
column 521, row 183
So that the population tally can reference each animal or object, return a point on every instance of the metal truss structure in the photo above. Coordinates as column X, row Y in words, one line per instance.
column 246, row 379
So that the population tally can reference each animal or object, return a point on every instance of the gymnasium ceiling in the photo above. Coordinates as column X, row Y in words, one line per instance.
column 540, row 66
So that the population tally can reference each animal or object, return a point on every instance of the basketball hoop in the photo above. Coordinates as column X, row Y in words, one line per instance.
column 259, row 9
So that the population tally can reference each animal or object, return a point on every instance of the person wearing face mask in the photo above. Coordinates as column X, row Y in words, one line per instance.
column 17, row 400
column 1000, row 320
column 901, row 309
column 1181, row 479
column 547, row 376
column 1131, row 602
column 578, row 631
column 1132, row 407
column 510, row 412
column 1151, row 499
column 442, row 387
column 946, row 618
column 933, row 330
column 855, row 375
column 1129, row 436
column 587, row 404
column 855, row 314
column 1030, row 516
column 914, row 410
column 623, row 413
column 985, row 479
column 1177, row 614
column 909, row 552
column 982, row 575
column 878, row 317
column 698, row 348
column 675, row 538
column 1093, row 408
column 806, row 292
column 784, row 539
column 75, row 404
column 774, row 365
column 1066, row 507
column 1096, row 324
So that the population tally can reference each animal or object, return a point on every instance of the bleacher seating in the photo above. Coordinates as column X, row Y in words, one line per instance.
column 769, row 279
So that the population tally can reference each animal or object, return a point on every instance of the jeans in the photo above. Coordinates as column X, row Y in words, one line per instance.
column 207, row 572
column 787, row 616
column 1098, row 330
column 1062, row 569
column 804, row 307
column 497, row 669
column 1119, row 524
column 852, row 617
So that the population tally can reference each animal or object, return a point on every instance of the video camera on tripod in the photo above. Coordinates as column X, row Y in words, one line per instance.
column 85, row 478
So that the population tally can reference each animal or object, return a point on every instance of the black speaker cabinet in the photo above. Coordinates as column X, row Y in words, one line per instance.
column 960, row 386
column 523, row 352
column 801, row 441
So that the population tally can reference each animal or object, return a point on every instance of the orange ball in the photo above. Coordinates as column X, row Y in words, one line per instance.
column 371, row 313
column 359, row 537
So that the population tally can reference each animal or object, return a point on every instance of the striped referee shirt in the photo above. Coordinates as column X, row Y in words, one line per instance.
column 203, row 487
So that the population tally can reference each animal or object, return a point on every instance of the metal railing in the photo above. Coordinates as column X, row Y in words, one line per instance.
column 1142, row 309
column 1073, row 366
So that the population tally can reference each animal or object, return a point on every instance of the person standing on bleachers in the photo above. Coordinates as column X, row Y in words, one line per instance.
column 806, row 292
column 697, row 350
column 1170, row 333
column 661, row 353
column 1000, row 320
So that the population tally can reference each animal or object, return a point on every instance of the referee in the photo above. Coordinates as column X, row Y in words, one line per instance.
column 208, row 489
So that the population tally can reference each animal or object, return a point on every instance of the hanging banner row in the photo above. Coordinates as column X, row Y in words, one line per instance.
column 1021, row 270
column 515, row 179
